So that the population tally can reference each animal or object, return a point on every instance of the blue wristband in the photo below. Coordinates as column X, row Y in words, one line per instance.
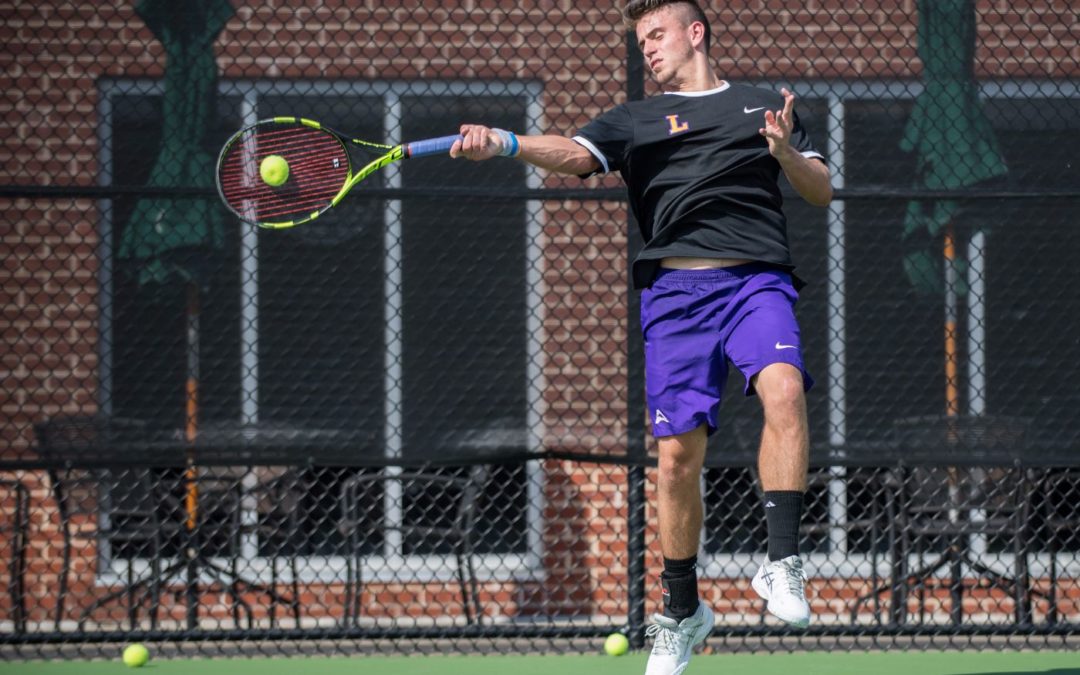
column 510, row 145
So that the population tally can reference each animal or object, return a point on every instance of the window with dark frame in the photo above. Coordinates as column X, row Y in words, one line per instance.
column 322, row 355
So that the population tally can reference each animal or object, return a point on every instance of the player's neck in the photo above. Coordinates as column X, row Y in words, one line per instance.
column 698, row 77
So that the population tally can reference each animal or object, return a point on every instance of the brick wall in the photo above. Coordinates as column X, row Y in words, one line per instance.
column 55, row 51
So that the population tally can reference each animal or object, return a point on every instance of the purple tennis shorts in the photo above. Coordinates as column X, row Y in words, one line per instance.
column 695, row 321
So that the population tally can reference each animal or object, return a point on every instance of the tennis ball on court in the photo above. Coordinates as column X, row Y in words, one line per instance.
column 274, row 170
column 616, row 644
column 136, row 655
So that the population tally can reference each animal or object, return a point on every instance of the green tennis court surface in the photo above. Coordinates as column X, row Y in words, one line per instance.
column 877, row 663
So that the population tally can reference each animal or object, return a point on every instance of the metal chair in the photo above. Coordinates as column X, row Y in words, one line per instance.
column 942, row 512
column 457, row 496
column 277, row 527
column 68, row 445
column 884, row 544
column 957, row 484
column 1060, row 494
column 16, row 527
column 131, row 511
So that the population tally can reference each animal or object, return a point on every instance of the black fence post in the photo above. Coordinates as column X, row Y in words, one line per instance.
column 635, row 403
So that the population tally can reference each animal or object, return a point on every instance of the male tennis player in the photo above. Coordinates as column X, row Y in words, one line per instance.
column 701, row 164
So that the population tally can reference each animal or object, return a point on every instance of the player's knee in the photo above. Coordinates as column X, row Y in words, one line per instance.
column 673, row 475
column 781, row 390
column 680, row 458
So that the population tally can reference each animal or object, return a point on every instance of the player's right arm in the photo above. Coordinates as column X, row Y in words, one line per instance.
column 554, row 153
column 558, row 154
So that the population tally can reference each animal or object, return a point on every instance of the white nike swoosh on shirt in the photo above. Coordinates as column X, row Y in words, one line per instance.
column 752, row 110
column 780, row 346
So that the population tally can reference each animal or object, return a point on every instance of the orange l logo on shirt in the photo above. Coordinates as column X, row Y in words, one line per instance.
column 676, row 125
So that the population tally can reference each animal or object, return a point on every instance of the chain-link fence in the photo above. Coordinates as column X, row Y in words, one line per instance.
column 422, row 415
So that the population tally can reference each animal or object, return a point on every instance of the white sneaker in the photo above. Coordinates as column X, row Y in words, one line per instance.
column 782, row 584
column 674, row 641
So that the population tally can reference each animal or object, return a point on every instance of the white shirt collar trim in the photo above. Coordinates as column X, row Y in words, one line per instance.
column 726, row 85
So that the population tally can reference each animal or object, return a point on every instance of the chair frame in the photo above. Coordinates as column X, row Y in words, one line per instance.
column 460, row 531
column 18, row 528
column 918, row 523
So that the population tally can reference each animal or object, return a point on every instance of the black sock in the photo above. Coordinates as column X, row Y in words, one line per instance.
column 679, row 581
column 783, row 511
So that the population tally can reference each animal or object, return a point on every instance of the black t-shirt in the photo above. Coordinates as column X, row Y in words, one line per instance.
column 700, row 178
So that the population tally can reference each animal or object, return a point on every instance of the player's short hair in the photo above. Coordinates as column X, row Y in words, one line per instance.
column 635, row 9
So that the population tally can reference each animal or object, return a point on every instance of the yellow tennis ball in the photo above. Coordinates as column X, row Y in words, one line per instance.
column 616, row 644
column 136, row 655
column 274, row 170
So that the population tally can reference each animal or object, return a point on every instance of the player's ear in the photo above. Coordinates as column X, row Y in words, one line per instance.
column 697, row 33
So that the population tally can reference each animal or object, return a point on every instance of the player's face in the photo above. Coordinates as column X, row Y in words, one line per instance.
column 664, row 39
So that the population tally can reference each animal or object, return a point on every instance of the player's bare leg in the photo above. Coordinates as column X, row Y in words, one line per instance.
column 678, row 487
column 685, row 622
column 783, row 460
column 785, row 439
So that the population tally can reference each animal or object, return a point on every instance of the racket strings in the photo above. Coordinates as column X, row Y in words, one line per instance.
column 318, row 168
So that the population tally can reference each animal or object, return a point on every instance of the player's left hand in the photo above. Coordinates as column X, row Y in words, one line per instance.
column 778, row 124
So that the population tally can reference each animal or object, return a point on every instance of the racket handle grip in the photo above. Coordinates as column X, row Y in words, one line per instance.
column 431, row 146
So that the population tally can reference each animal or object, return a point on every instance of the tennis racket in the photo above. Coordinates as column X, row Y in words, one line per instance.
column 320, row 168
